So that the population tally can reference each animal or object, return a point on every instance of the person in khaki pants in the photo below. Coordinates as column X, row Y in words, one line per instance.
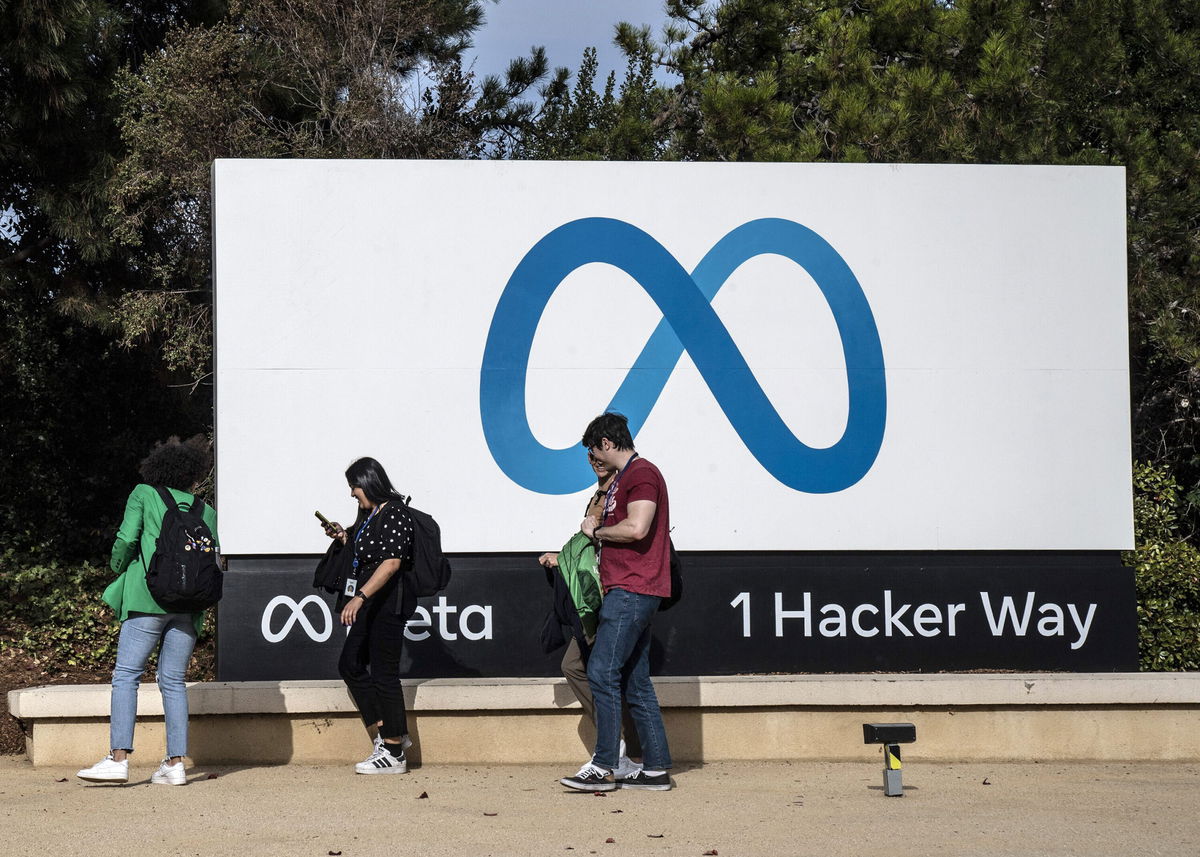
column 577, row 565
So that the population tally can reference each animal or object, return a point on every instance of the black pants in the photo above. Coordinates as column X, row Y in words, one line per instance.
column 370, row 664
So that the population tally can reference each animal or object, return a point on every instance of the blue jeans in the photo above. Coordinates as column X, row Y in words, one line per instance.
column 140, row 636
column 620, row 666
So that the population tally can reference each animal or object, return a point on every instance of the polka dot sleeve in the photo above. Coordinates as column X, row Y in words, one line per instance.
column 395, row 535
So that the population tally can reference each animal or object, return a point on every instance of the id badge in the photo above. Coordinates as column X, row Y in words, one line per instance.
column 351, row 587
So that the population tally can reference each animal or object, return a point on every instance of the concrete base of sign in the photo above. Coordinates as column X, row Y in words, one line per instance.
column 1017, row 717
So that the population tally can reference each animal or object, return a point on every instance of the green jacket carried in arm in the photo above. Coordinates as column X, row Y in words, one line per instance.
column 577, row 563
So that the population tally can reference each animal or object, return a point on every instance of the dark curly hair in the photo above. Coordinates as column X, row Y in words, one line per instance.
column 177, row 464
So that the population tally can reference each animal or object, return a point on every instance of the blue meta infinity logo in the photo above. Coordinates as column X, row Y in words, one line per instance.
column 689, row 322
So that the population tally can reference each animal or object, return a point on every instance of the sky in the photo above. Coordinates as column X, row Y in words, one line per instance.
column 563, row 27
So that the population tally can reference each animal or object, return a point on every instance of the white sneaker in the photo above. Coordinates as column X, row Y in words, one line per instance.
column 170, row 775
column 106, row 771
column 382, row 762
column 626, row 767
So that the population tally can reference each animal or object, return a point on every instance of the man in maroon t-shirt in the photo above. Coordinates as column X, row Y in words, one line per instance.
column 635, row 573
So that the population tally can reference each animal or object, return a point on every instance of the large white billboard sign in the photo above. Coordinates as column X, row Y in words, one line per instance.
column 817, row 357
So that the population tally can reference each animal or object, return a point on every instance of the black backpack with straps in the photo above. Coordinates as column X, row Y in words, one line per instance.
column 184, row 574
column 430, row 572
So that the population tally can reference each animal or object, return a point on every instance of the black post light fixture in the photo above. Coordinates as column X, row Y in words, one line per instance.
column 891, row 736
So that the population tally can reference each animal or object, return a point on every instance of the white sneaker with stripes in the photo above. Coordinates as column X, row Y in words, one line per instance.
column 382, row 762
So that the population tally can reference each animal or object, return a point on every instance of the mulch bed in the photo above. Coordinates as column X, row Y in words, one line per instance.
column 18, row 670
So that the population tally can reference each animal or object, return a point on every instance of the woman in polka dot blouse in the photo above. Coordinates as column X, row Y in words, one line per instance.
column 376, row 605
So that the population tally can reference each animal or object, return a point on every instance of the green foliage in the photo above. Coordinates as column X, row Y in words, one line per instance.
column 110, row 116
column 580, row 123
column 278, row 78
column 1167, row 576
column 77, row 414
column 54, row 615
column 1155, row 504
column 181, row 323
column 1168, row 587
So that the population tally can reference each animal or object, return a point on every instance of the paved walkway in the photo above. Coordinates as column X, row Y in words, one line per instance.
column 765, row 809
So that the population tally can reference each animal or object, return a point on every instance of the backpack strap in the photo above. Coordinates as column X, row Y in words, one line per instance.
column 169, row 499
column 166, row 497
column 171, row 504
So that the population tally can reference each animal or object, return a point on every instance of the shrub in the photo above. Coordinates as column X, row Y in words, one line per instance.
column 55, row 616
column 1166, row 574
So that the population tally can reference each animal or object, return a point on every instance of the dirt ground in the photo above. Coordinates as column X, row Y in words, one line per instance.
column 17, row 670
column 730, row 808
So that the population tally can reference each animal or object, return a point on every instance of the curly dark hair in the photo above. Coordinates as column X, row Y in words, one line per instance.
column 177, row 464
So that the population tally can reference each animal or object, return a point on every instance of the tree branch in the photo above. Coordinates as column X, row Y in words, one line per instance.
column 26, row 252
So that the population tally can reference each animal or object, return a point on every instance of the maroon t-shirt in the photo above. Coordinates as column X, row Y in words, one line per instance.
column 643, row 566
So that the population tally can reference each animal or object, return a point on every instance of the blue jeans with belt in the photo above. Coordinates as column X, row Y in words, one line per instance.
column 620, row 666
column 141, row 634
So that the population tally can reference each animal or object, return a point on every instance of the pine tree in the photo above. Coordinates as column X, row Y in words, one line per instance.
column 580, row 123
column 110, row 116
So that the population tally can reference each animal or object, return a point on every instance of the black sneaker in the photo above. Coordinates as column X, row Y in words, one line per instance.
column 650, row 782
column 591, row 779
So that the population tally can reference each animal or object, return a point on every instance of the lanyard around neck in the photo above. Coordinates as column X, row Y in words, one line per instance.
column 361, row 530
column 612, row 490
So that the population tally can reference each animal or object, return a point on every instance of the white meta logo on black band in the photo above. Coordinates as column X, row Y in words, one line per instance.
column 296, row 616
column 474, row 620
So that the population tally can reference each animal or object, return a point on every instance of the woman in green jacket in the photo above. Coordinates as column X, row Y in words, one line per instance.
column 145, row 626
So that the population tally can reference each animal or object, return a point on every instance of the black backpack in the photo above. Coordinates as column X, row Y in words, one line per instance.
column 183, row 575
column 676, row 581
column 430, row 572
